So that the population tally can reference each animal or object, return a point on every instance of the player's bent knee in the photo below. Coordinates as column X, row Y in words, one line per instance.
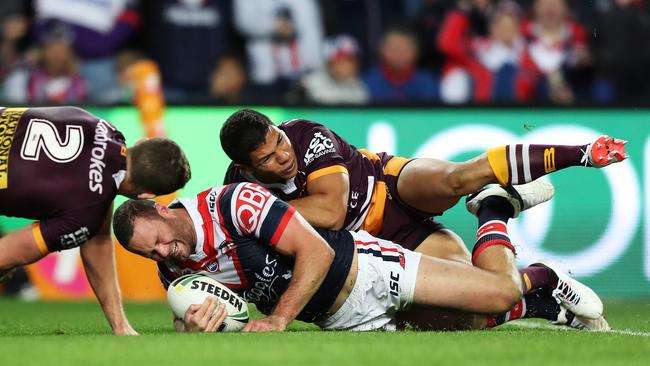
column 506, row 296
column 445, row 244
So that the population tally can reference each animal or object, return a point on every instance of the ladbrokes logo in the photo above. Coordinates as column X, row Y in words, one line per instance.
column 8, row 125
column 318, row 146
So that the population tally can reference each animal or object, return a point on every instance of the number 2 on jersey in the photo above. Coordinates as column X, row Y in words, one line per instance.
column 41, row 135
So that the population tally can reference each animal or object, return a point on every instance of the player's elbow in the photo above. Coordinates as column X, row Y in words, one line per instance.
column 327, row 255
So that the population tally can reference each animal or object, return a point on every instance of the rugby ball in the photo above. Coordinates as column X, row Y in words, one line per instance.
column 194, row 289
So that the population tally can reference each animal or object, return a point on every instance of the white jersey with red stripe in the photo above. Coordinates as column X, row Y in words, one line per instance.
column 221, row 216
column 237, row 228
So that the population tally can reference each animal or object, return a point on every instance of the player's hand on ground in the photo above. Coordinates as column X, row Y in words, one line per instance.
column 205, row 317
column 126, row 330
column 271, row 323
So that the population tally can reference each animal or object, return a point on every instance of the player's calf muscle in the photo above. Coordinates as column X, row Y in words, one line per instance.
column 469, row 176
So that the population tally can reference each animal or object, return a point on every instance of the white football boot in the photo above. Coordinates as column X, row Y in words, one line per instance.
column 522, row 197
column 567, row 318
column 604, row 151
column 573, row 295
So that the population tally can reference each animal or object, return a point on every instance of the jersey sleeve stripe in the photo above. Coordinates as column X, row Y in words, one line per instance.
column 231, row 208
column 38, row 237
column 369, row 154
column 265, row 214
column 240, row 270
column 281, row 226
column 395, row 165
column 375, row 218
column 222, row 222
column 326, row 171
column 208, row 224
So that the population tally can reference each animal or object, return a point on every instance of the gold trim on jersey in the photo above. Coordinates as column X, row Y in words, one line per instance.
column 326, row 171
column 375, row 218
column 499, row 163
column 395, row 165
column 368, row 154
column 38, row 237
column 8, row 125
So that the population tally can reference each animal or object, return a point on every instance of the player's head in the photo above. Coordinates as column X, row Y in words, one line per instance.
column 157, row 166
column 253, row 142
column 153, row 231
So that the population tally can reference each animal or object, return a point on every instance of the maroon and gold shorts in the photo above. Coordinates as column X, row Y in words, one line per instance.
column 400, row 222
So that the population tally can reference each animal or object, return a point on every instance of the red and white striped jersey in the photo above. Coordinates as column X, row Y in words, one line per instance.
column 237, row 227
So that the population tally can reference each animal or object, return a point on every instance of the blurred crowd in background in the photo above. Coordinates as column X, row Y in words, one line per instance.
column 330, row 52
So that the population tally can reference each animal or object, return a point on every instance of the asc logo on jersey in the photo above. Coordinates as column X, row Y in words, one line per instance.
column 251, row 206
column 318, row 146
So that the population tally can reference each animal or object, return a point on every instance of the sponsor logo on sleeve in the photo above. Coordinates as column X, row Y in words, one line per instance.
column 319, row 145
column 251, row 207
column 74, row 239
column 212, row 202
column 8, row 126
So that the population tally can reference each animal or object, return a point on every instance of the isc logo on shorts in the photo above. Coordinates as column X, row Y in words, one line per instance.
column 250, row 204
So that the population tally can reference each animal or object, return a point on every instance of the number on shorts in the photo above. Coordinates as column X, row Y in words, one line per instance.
column 42, row 136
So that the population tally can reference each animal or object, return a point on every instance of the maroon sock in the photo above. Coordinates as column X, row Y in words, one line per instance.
column 537, row 276
column 525, row 163
column 545, row 159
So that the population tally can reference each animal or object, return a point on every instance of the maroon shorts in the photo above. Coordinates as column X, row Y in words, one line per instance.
column 402, row 223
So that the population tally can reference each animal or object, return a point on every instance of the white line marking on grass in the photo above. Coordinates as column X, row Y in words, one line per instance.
column 525, row 324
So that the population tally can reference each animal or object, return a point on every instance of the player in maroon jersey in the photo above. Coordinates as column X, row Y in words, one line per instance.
column 260, row 247
column 63, row 166
column 334, row 185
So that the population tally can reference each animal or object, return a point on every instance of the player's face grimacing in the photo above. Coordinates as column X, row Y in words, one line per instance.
column 158, row 240
column 274, row 160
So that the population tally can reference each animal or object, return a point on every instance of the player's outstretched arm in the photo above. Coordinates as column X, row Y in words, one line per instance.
column 312, row 260
column 98, row 258
column 326, row 204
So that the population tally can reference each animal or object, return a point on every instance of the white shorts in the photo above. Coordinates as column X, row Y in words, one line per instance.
column 385, row 284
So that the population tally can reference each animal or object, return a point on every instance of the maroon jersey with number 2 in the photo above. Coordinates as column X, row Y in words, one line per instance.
column 60, row 166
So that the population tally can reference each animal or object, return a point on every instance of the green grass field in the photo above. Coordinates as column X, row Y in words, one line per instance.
column 62, row 333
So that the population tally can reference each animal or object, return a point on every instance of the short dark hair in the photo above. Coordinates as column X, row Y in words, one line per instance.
column 401, row 29
column 125, row 216
column 158, row 166
column 243, row 132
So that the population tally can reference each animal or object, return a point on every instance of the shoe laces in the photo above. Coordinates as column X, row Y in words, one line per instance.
column 565, row 293
column 585, row 155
